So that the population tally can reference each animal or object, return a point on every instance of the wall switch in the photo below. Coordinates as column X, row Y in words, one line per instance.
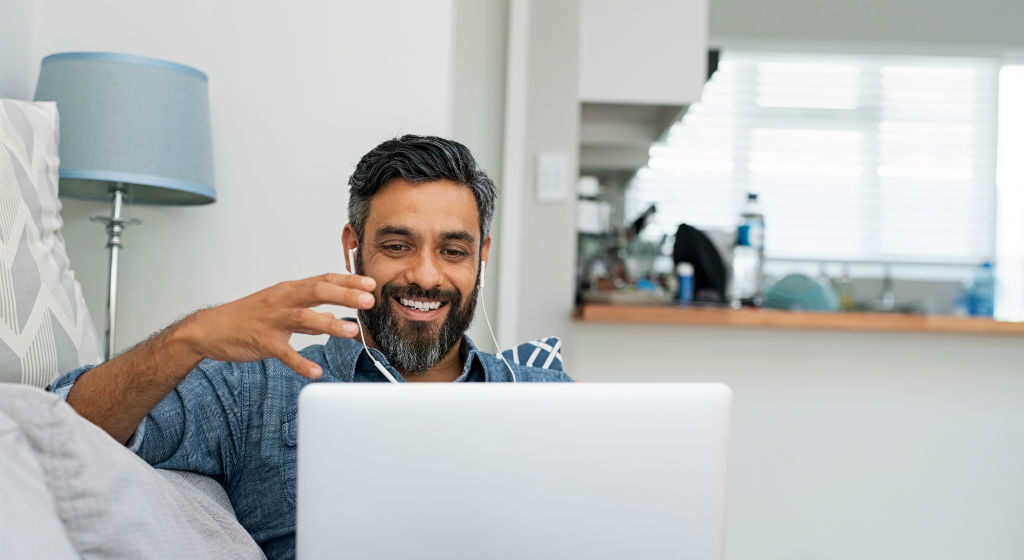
column 552, row 177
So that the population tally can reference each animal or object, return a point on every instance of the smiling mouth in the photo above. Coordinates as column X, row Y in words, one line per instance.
column 420, row 304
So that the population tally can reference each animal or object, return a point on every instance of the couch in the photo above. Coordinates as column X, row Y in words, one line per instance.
column 67, row 489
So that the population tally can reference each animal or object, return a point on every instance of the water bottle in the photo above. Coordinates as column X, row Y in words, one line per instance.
column 981, row 294
column 748, row 256
column 684, row 272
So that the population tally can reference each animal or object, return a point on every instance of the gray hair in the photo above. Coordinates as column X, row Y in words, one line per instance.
column 418, row 159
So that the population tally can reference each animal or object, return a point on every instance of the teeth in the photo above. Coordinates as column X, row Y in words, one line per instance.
column 420, row 305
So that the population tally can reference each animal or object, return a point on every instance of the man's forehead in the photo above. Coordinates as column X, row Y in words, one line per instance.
column 433, row 208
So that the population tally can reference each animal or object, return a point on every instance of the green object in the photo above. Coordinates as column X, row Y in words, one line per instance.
column 799, row 292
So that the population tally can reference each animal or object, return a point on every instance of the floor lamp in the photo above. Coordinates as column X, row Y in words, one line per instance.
column 132, row 130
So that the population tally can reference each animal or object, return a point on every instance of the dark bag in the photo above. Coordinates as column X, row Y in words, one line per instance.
column 694, row 247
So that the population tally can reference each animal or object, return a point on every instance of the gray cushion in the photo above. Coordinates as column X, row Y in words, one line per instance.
column 205, row 491
column 112, row 504
column 45, row 328
column 29, row 524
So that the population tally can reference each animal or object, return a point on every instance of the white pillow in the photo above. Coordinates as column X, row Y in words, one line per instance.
column 30, row 524
column 45, row 327
column 111, row 504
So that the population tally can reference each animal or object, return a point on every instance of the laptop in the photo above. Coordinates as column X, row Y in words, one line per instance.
column 501, row 471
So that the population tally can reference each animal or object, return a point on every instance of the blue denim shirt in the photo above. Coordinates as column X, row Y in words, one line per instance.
column 236, row 422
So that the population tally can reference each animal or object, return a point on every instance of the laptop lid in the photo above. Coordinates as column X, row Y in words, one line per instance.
column 498, row 471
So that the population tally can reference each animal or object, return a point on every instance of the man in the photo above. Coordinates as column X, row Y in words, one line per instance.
column 216, row 393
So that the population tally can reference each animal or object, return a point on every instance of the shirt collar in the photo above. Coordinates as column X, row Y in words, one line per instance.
column 345, row 356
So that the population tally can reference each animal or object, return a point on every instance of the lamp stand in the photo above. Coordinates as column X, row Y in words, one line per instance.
column 115, row 225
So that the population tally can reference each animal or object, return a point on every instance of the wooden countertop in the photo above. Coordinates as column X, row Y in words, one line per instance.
column 772, row 318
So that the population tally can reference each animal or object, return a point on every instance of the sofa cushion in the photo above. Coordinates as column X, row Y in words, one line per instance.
column 45, row 327
column 29, row 524
column 110, row 502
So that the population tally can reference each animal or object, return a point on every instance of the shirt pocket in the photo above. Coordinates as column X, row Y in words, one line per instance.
column 289, row 439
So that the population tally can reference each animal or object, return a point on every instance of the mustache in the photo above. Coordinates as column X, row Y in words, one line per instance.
column 414, row 291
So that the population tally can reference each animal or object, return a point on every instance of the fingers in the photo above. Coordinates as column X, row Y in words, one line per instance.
column 336, row 289
column 364, row 283
column 297, row 363
column 308, row 321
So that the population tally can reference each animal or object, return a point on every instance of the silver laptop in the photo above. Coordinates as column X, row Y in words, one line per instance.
column 496, row 471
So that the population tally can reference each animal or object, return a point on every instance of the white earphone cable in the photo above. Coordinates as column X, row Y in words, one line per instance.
column 483, row 305
column 380, row 366
column 495, row 339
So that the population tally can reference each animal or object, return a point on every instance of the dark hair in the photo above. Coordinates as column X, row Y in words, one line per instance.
column 418, row 159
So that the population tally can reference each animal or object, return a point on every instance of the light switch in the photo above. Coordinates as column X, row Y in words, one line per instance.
column 552, row 177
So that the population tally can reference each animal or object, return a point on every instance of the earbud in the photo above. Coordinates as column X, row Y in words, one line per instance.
column 351, row 254
column 483, row 274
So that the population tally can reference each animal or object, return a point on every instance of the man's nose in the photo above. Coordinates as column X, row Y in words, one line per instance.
column 425, row 271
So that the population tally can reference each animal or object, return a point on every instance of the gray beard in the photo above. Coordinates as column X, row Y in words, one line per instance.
column 419, row 345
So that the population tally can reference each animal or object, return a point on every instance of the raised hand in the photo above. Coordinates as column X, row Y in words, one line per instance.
column 260, row 325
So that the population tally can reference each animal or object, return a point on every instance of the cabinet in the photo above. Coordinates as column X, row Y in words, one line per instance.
column 647, row 52
column 641, row 63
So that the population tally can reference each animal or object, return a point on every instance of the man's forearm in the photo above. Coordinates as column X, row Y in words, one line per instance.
column 118, row 394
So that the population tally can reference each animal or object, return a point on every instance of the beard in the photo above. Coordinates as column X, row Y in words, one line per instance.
column 414, row 347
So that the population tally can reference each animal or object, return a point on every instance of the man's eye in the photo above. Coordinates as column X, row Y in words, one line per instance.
column 458, row 253
column 394, row 247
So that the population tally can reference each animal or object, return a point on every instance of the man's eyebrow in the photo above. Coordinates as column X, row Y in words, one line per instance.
column 458, row 236
column 392, row 230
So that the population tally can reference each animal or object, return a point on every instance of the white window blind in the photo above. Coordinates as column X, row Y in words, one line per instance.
column 855, row 158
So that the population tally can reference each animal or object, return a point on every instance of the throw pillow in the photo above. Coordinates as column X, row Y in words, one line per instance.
column 110, row 503
column 542, row 353
column 45, row 327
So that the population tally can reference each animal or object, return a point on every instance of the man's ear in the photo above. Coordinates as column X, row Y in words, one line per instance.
column 485, row 250
column 349, row 241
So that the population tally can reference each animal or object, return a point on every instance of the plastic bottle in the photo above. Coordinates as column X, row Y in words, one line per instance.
column 981, row 294
column 844, row 290
column 748, row 256
column 684, row 272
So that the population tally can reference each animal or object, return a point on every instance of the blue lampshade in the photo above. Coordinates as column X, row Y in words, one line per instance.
column 140, row 122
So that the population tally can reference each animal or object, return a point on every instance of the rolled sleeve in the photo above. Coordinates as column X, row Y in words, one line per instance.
column 62, row 385
column 197, row 427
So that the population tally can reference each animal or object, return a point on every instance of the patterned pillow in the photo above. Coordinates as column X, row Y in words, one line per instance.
column 45, row 328
column 542, row 353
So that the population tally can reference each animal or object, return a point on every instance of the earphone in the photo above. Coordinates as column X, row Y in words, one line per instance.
column 380, row 366
column 483, row 281
column 483, row 305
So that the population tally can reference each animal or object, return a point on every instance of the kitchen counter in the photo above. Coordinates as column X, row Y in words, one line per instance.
column 772, row 318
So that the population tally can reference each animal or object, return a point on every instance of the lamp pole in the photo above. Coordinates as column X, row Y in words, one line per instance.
column 115, row 225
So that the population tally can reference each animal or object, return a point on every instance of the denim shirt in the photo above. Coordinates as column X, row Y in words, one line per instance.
column 236, row 422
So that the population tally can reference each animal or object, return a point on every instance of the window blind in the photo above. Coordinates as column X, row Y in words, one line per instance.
column 854, row 157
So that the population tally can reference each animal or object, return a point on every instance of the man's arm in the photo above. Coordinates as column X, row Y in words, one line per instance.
column 118, row 394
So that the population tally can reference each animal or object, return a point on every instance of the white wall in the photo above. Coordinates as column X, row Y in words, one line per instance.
column 298, row 92
column 542, row 117
column 15, row 43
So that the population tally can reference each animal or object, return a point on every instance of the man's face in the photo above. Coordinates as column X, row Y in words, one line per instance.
column 421, row 244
